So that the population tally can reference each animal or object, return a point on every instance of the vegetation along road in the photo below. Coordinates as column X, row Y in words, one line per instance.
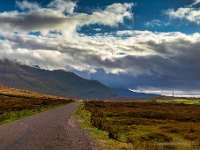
column 53, row 130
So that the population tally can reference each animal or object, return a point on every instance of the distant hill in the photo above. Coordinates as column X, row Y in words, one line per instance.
column 57, row 82
column 122, row 92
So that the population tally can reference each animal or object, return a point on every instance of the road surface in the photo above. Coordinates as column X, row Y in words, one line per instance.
column 51, row 130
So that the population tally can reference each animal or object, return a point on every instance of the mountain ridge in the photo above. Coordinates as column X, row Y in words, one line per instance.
column 56, row 82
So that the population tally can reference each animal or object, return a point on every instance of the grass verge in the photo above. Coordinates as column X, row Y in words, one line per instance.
column 23, row 114
column 141, row 125
column 103, row 141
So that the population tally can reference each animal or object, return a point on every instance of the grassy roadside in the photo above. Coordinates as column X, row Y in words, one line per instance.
column 103, row 141
column 141, row 125
column 25, row 113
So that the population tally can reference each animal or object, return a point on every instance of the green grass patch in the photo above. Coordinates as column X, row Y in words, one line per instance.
column 23, row 114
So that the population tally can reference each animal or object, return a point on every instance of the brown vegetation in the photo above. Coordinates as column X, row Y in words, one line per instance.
column 148, row 125
column 15, row 103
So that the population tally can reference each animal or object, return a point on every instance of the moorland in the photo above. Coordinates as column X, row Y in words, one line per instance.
column 146, row 125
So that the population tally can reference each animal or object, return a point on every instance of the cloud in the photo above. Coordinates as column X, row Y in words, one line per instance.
column 153, row 23
column 189, row 13
column 146, row 52
column 156, row 23
column 27, row 5
column 112, row 15
column 169, row 92
column 195, row 2
column 63, row 6
column 97, row 29
column 59, row 16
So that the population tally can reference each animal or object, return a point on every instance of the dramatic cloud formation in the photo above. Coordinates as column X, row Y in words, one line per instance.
column 49, row 37
column 57, row 26
column 59, row 16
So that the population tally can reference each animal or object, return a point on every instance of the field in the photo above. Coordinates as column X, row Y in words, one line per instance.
column 149, row 125
column 15, row 103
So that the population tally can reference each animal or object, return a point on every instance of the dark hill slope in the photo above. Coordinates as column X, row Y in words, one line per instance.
column 57, row 82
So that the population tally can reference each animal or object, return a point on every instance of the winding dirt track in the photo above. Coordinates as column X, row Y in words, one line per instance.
column 51, row 130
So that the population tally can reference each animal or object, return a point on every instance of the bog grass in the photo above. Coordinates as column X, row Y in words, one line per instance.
column 146, row 125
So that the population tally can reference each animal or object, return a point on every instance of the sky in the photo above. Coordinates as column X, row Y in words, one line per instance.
column 134, row 44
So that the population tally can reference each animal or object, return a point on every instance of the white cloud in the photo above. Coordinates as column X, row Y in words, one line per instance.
column 97, row 29
column 156, row 23
column 112, row 15
column 177, row 93
column 27, row 5
column 153, row 23
column 195, row 2
column 63, row 6
column 188, row 13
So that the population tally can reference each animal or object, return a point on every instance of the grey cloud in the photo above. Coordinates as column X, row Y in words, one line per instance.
column 177, row 66
column 31, row 21
column 32, row 42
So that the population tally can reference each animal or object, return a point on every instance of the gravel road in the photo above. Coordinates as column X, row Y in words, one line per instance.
column 51, row 130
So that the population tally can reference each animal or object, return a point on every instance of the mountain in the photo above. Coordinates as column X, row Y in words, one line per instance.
column 122, row 92
column 56, row 82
